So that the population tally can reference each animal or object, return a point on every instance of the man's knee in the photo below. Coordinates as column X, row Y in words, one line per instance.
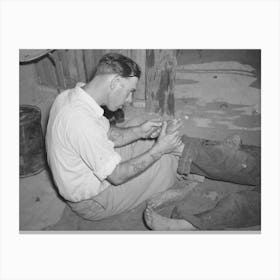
column 88, row 210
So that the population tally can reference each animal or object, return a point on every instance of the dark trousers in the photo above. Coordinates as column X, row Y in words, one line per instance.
column 239, row 164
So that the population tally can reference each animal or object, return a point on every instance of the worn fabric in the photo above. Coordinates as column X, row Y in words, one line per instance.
column 117, row 199
column 221, row 161
column 79, row 152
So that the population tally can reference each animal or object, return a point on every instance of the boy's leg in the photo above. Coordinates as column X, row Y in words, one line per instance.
column 227, row 160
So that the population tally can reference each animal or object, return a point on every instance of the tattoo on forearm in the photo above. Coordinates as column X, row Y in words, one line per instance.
column 139, row 166
column 136, row 166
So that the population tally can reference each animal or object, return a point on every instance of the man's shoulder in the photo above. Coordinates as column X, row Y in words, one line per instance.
column 72, row 112
column 81, row 118
column 68, row 104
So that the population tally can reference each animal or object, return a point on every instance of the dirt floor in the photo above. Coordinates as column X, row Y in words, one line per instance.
column 41, row 208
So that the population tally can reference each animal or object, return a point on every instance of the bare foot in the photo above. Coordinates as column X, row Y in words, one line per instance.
column 156, row 222
column 170, row 196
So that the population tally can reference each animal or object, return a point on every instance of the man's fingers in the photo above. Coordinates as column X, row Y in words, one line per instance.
column 177, row 126
column 174, row 125
column 155, row 124
column 179, row 142
column 154, row 132
column 174, row 133
column 157, row 130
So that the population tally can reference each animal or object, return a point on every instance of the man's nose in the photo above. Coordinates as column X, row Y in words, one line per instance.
column 129, row 99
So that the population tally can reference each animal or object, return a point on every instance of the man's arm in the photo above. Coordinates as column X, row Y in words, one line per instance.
column 123, row 136
column 126, row 135
column 133, row 167
column 129, row 169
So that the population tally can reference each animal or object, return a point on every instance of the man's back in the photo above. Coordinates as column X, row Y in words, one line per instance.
column 75, row 129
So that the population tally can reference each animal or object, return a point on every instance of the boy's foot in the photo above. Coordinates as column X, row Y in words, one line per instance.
column 156, row 222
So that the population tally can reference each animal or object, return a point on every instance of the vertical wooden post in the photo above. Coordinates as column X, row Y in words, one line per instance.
column 139, row 56
column 72, row 67
column 160, row 81
column 80, row 65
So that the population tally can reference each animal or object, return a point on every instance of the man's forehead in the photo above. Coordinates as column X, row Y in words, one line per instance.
column 133, row 80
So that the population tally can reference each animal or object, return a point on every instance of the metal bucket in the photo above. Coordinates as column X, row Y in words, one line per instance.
column 32, row 149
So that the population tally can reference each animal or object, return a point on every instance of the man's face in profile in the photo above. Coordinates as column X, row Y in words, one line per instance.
column 122, row 92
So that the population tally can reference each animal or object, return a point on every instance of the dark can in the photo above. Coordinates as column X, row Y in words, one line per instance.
column 32, row 148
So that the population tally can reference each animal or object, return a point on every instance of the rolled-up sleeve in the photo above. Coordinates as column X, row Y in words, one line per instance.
column 90, row 141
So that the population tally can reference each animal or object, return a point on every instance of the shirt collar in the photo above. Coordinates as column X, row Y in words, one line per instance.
column 89, row 100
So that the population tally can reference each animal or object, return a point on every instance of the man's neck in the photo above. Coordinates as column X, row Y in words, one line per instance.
column 97, row 88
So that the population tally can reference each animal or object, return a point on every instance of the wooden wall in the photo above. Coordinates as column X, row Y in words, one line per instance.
column 64, row 68
column 61, row 69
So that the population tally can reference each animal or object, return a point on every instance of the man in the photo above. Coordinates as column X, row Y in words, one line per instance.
column 100, row 170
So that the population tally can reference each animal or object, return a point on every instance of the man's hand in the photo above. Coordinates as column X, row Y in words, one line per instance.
column 167, row 143
column 178, row 151
column 172, row 126
column 150, row 129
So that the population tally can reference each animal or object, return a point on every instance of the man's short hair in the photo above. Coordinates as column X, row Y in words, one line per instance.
column 115, row 63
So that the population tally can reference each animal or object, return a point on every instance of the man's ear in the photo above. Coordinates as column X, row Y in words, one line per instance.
column 114, row 82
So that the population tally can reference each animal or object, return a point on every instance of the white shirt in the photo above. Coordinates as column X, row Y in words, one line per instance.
column 79, row 152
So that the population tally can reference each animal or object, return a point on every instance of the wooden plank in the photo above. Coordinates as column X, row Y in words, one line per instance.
column 62, row 54
column 39, row 71
column 80, row 65
column 160, row 81
column 46, row 72
column 59, row 70
column 87, row 60
column 139, row 56
column 72, row 68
